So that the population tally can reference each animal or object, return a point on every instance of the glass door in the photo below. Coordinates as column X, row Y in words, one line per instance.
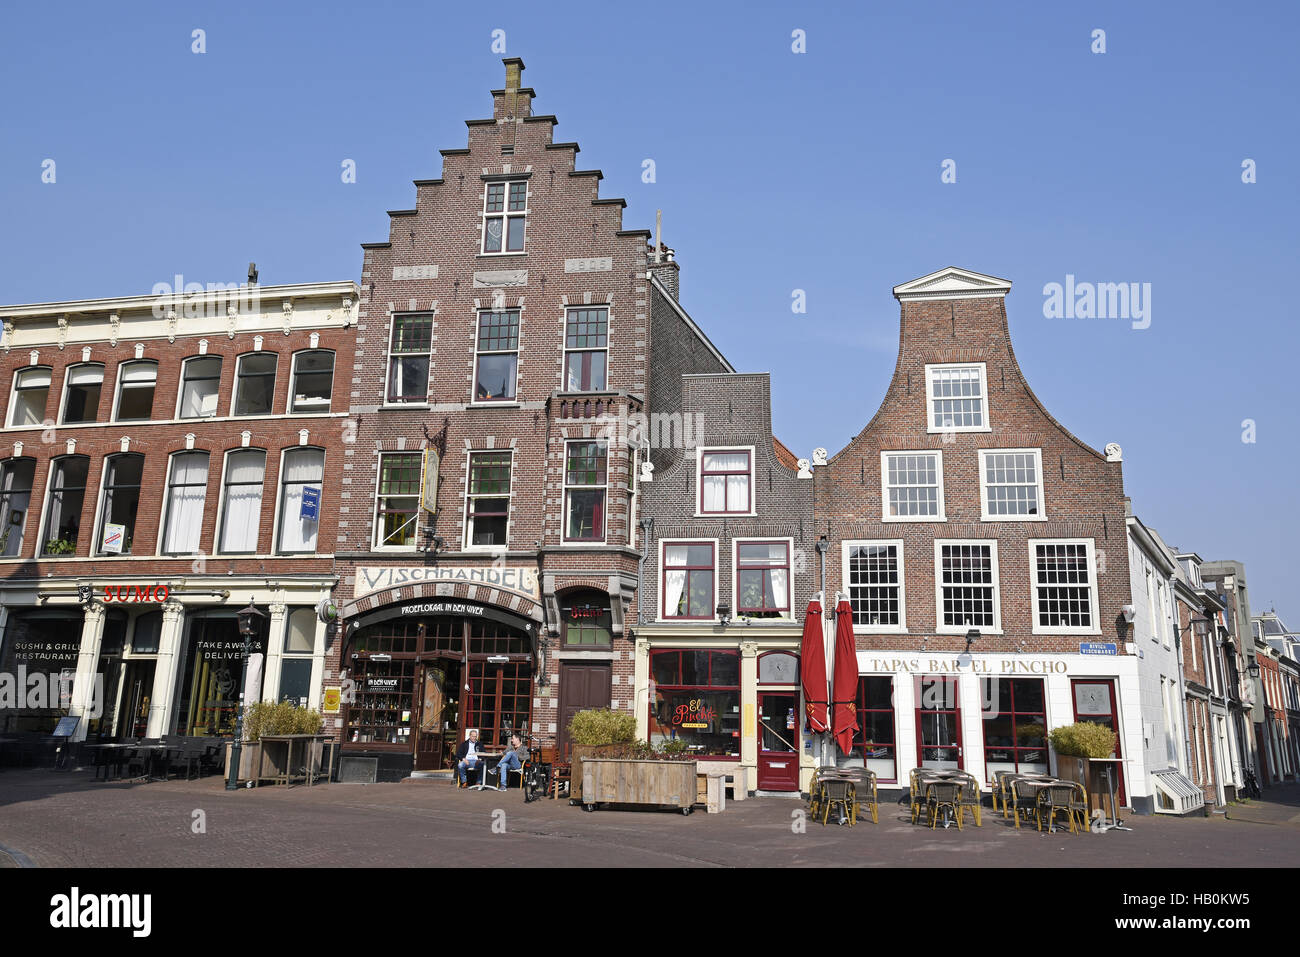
column 938, row 723
column 1095, row 701
column 778, row 756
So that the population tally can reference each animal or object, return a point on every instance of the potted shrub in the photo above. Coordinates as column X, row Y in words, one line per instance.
column 60, row 546
column 267, row 717
column 640, row 774
column 1074, row 745
column 598, row 731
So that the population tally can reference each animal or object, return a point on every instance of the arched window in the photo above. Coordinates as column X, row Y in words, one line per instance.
column 15, row 494
column 135, row 388
column 585, row 615
column 255, row 384
column 301, row 477
column 63, row 507
column 241, row 501
column 82, row 385
column 31, row 392
column 313, row 381
column 187, row 490
column 200, row 384
column 120, row 504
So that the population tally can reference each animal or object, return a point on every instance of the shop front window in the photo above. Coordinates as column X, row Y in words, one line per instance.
column 215, row 675
column 295, row 666
column 384, row 693
column 695, row 698
column 1015, row 725
column 586, row 618
column 875, row 740
column 45, row 644
column 938, row 723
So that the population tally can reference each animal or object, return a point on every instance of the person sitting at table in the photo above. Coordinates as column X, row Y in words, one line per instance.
column 468, row 755
column 512, row 760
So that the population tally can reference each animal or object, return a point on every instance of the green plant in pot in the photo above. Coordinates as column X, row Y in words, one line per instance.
column 1083, row 739
column 60, row 546
column 598, row 732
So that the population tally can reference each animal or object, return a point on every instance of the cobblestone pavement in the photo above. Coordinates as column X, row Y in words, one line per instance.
column 69, row 820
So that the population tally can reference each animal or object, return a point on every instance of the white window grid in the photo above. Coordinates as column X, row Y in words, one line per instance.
column 470, row 496
column 1011, row 485
column 874, row 580
column 956, row 397
column 501, row 202
column 966, row 590
column 911, row 486
column 1063, row 576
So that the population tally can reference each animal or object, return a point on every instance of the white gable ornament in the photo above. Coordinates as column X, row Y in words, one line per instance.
column 287, row 308
column 647, row 471
column 819, row 456
column 1114, row 453
column 8, row 333
column 232, row 314
column 805, row 469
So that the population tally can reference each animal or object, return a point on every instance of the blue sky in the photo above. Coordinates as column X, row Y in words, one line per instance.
column 776, row 171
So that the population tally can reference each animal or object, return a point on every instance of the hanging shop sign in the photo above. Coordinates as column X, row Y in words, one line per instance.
column 429, row 481
column 131, row 594
column 519, row 580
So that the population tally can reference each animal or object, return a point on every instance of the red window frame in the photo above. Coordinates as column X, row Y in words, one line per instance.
column 712, row 569
column 747, row 471
column 766, row 569
column 860, row 738
column 949, row 682
column 1114, row 725
column 586, row 334
column 706, row 685
column 1016, row 716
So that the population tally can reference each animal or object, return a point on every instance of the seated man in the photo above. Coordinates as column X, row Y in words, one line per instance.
column 512, row 760
column 468, row 755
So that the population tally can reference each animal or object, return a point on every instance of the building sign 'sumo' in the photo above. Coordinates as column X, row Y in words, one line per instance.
column 518, row 580
column 135, row 593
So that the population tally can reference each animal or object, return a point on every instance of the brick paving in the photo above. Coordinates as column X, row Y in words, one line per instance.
column 68, row 820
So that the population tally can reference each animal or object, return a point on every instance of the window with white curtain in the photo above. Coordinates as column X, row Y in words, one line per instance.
column 187, row 490
column 241, row 501
column 688, row 576
column 726, row 482
column 763, row 579
column 15, row 495
column 303, row 468
column 31, row 392
column 200, row 384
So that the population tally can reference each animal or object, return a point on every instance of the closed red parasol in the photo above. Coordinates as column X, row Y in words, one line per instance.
column 813, row 667
column 844, row 710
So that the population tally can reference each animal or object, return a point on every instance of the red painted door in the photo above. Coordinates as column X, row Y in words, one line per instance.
column 582, row 686
column 938, row 723
column 778, row 755
column 1094, row 700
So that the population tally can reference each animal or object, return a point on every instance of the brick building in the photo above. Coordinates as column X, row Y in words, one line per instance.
column 487, row 528
column 727, row 578
column 164, row 461
column 1227, row 579
column 1212, row 758
column 982, row 547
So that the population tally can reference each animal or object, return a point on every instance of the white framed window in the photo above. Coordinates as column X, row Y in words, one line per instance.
column 487, row 499
column 496, row 356
column 1063, row 573
column 956, row 397
column 16, row 477
column 187, row 492
column 505, row 216
column 311, row 386
column 1011, row 485
column 119, row 503
column 255, row 384
column 136, row 383
column 586, row 481
column 296, row 663
column 725, row 479
column 81, row 388
column 397, row 500
column 586, row 348
column 763, row 577
column 241, row 502
column 200, row 387
column 302, row 469
column 966, row 592
column 872, row 573
column 688, row 579
column 911, row 486
column 30, row 395
column 409, row 345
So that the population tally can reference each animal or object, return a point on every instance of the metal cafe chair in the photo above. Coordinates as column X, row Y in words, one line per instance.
column 839, row 793
column 1053, row 800
column 941, row 795
column 998, row 791
column 971, row 798
column 1024, row 794
column 1079, row 805
column 917, row 793
column 865, row 794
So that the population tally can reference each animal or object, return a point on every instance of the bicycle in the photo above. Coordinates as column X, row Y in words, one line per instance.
column 1252, row 786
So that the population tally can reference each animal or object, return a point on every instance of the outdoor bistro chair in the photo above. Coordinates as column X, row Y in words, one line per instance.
column 1024, row 795
column 1079, row 805
column 971, row 797
column 864, row 788
column 940, row 795
column 917, row 792
column 1053, row 800
column 839, row 793
column 998, row 790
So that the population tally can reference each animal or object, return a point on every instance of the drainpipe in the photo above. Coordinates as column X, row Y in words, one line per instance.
column 647, row 526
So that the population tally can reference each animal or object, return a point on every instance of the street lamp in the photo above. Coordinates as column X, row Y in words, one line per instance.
column 972, row 636
column 1253, row 668
column 250, row 623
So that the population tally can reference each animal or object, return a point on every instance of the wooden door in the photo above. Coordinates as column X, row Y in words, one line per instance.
column 778, row 739
column 582, row 686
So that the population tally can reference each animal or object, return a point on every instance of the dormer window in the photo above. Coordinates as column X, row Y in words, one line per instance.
column 956, row 398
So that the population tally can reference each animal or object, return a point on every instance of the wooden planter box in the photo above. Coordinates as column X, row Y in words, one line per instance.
column 629, row 781
column 1091, row 776
column 250, row 753
column 581, row 751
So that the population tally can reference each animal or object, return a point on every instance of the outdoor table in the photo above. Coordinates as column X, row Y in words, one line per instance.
column 106, row 766
column 482, row 783
column 1114, row 824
